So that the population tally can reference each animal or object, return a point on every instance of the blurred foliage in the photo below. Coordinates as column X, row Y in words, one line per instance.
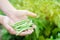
column 1, row 12
column 48, row 21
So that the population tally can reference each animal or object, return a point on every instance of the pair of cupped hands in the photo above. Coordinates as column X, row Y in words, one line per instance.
column 16, row 16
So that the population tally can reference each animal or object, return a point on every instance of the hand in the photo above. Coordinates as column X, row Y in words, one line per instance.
column 17, row 16
column 7, row 21
column 21, row 15
column 14, row 15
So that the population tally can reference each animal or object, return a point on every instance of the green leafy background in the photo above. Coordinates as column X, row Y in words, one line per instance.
column 48, row 21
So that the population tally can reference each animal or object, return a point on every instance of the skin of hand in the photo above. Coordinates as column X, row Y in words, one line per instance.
column 4, row 20
column 15, row 15
column 19, row 15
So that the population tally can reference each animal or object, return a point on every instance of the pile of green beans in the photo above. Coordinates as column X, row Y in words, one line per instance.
column 22, row 26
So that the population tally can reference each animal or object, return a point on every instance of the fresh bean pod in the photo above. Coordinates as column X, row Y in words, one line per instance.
column 22, row 26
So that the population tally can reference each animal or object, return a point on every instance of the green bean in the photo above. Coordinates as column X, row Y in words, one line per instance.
column 22, row 30
column 21, row 26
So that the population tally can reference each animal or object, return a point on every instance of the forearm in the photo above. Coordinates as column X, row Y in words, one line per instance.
column 6, row 7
